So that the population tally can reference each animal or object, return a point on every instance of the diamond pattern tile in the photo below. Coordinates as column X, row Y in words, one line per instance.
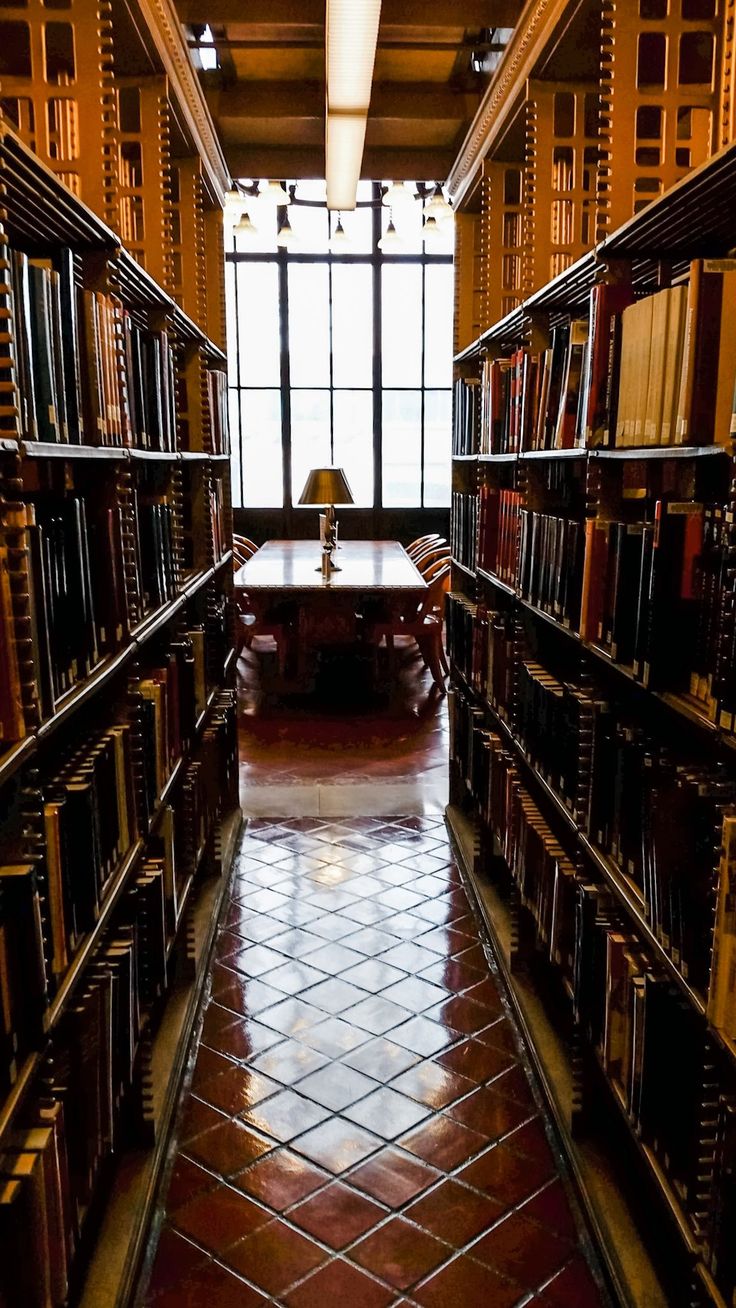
column 360, row 1128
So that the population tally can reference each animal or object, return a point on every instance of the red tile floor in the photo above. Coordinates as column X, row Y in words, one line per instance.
column 360, row 1127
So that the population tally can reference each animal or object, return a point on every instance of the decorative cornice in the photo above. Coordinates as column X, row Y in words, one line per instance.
column 163, row 23
column 535, row 28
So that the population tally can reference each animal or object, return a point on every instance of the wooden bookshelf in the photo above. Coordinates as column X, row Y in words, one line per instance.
column 134, row 705
column 528, row 634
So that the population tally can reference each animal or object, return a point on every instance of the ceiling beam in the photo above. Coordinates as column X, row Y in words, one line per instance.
column 296, row 162
column 396, row 13
column 389, row 100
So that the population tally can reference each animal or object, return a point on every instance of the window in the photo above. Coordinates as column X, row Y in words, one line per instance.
column 339, row 355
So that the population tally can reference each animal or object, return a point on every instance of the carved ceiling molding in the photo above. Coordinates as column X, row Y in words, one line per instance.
column 533, row 31
column 168, row 35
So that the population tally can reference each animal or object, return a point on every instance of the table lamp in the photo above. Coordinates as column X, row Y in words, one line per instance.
column 325, row 487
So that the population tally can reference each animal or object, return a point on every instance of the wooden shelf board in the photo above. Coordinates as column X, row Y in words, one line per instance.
column 465, row 458
column 66, row 450
column 496, row 581
column 498, row 458
column 468, row 571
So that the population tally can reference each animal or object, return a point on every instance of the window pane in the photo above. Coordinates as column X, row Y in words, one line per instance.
column 258, row 324
column 402, row 448
column 438, row 295
column 437, row 425
column 352, row 325
column 408, row 222
column 353, row 418
column 310, row 225
column 401, row 325
column 235, row 457
column 310, row 436
column 261, row 448
column 309, row 325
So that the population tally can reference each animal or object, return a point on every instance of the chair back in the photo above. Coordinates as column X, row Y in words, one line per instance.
column 433, row 599
column 430, row 557
column 420, row 543
column 428, row 545
column 244, row 546
column 431, row 570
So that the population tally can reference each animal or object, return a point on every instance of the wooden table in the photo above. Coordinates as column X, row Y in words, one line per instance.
column 284, row 579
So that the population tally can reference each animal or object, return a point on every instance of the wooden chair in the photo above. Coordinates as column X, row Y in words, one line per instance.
column 430, row 557
column 247, row 546
column 420, row 543
column 430, row 570
column 250, row 625
column 424, row 626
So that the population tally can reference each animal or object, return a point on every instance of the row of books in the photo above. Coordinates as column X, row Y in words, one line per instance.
column 88, row 373
column 52, row 1166
column 481, row 643
column 535, row 400
column 650, row 1040
column 464, row 529
column 498, row 531
column 635, row 372
column 656, row 817
column 170, row 698
column 465, row 416
column 64, row 595
column 550, row 570
column 217, row 391
column 653, row 594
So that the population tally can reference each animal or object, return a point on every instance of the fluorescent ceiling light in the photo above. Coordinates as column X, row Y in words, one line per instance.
column 352, row 32
column 345, row 140
column 351, row 36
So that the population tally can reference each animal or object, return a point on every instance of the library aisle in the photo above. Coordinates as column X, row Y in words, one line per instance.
column 360, row 1125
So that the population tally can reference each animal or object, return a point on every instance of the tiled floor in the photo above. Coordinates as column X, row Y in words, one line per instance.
column 360, row 1129
column 332, row 757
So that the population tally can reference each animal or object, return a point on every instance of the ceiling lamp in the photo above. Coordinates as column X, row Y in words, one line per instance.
column 340, row 241
column 275, row 192
column 391, row 242
column 244, row 229
column 438, row 206
column 351, row 36
column 286, row 237
column 433, row 233
column 398, row 193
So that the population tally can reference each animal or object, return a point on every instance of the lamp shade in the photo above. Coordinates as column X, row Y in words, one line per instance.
column 326, row 486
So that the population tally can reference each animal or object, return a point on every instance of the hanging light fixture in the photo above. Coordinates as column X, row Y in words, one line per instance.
column 244, row 229
column 398, row 193
column 351, row 33
column 438, row 206
column 391, row 242
column 286, row 237
column 340, row 241
column 433, row 233
column 276, row 193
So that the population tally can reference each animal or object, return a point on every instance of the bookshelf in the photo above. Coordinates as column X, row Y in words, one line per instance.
column 118, row 745
column 590, row 619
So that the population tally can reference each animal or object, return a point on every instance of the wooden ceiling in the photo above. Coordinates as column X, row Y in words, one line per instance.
column 268, row 95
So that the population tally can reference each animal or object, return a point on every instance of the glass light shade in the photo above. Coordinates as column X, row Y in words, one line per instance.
column 340, row 241
column 434, row 234
column 438, row 207
column 391, row 241
column 326, row 486
column 244, row 228
column 276, row 193
column 233, row 196
column 398, row 193
column 286, row 237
